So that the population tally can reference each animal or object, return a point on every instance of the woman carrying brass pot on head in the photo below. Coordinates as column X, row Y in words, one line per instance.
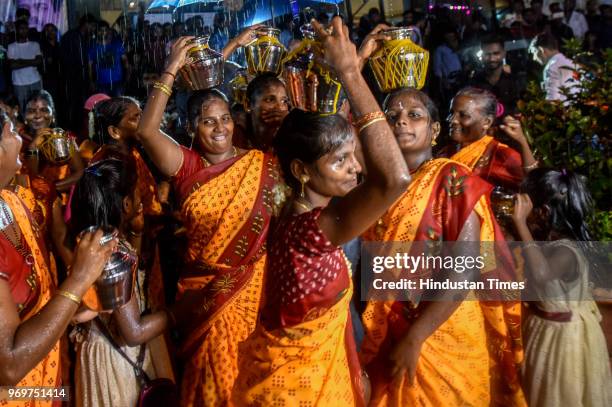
column 411, row 348
column 34, row 312
column 227, row 196
column 303, row 352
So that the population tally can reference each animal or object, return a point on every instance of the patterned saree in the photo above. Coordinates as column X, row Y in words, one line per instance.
column 471, row 359
column 31, row 286
column 226, row 209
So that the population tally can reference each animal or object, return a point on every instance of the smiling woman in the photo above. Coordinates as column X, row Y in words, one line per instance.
column 471, row 120
column 227, row 203
column 34, row 313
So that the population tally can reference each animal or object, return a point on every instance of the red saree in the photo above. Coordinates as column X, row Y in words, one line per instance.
column 303, row 352
column 495, row 162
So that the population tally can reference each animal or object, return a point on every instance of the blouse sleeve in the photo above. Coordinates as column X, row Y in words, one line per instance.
column 191, row 164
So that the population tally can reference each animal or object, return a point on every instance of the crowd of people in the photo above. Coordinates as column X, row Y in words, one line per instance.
column 247, row 219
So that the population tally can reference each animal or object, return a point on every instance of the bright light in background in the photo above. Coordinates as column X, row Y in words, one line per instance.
column 132, row 4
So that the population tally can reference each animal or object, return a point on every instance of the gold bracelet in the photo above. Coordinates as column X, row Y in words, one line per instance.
column 72, row 297
column 169, row 73
column 163, row 87
column 371, row 122
column 532, row 166
column 368, row 117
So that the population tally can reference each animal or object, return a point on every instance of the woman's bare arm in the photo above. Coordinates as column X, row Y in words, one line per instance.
column 163, row 151
column 388, row 175
column 24, row 344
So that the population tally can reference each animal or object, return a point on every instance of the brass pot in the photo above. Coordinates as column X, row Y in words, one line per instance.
column 204, row 67
column 265, row 53
column 238, row 87
column 400, row 63
column 310, row 84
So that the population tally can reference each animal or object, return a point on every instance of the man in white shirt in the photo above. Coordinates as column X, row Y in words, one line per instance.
column 576, row 20
column 558, row 69
column 24, row 57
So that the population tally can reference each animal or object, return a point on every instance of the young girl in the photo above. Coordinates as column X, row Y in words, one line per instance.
column 566, row 357
column 106, row 195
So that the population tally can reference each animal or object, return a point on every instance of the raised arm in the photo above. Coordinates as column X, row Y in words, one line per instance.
column 512, row 127
column 372, row 43
column 24, row 344
column 561, row 264
column 388, row 175
column 244, row 38
column 163, row 150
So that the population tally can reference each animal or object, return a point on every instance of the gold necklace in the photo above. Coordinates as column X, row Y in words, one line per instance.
column 208, row 163
column 303, row 203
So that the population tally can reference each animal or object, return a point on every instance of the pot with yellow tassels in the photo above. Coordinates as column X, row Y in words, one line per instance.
column 311, row 85
column 57, row 147
column 204, row 66
column 265, row 53
column 238, row 86
column 399, row 63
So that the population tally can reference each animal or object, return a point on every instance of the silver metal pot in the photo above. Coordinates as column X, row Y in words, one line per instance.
column 311, row 85
column 204, row 67
column 114, row 287
column 265, row 53
column 57, row 147
column 397, row 67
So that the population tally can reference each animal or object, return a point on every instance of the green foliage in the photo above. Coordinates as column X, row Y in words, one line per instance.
column 576, row 134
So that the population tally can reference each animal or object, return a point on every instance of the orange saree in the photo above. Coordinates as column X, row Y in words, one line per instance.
column 303, row 351
column 495, row 162
column 480, row 338
column 31, row 287
column 226, row 209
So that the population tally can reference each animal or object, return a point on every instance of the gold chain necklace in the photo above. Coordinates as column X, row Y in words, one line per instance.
column 208, row 163
column 303, row 203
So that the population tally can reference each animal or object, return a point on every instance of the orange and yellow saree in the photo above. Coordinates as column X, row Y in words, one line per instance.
column 471, row 359
column 31, row 286
column 303, row 351
column 495, row 162
column 226, row 209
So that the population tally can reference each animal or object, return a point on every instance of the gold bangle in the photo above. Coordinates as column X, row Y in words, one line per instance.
column 532, row 166
column 368, row 117
column 371, row 122
column 163, row 87
column 72, row 297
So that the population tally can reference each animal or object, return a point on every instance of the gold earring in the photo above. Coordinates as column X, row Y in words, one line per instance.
column 434, row 142
column 303, row 181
